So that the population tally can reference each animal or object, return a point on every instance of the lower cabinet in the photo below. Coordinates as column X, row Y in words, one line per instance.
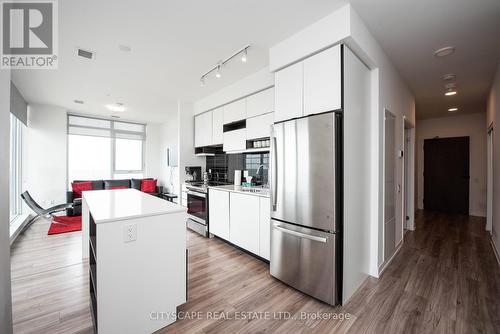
column 265, row 228
column 218, row 213
column 244, row 218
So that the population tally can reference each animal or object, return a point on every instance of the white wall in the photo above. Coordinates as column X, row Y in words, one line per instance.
column 45, row 154
column 469, row 125
column 5, row 293
column 164, row 136
column 185, row 139
column 493, row 116
column 389, row 92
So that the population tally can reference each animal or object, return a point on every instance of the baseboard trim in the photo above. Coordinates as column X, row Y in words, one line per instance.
column 384, row 265
column 495, row 250
column 18, row 225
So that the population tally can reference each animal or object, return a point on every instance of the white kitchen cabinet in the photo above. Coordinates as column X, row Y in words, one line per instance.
column 203, row 129
column 288, row 90
column 235, row 111
column 260, row 103
column 234, row 140
column 219, row 213
column 260, row 126
column 217, row 126
column 323, row 82
column 265, row 228
column 244, row 220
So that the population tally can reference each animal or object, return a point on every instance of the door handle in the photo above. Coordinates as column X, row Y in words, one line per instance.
column 302, row 235
column 274, row 180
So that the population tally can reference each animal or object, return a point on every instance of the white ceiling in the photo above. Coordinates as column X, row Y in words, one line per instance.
column 174, row 42
column 410, row 31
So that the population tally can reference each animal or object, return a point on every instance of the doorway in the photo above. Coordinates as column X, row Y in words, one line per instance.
column 446, row 175
column 408, row 184
column 390, row 187
column 489, row 182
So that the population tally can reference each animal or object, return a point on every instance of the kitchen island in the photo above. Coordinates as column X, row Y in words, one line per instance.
column 136, row 245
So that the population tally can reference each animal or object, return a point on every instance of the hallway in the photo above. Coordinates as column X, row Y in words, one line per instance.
column 445, row 279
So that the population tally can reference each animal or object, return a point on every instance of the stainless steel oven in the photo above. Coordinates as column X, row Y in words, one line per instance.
column 197, row 209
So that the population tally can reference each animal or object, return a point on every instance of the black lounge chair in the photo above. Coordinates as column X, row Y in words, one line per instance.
column 41, row 212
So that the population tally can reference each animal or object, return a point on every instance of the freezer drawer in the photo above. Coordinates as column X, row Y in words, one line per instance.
column 305, row 259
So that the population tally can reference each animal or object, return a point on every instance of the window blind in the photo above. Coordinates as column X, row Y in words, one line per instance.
column 91, row 126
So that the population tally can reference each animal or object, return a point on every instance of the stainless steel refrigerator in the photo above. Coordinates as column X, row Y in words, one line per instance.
column 306, row 210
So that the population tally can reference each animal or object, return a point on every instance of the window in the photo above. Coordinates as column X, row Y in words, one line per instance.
column 15, row 167
column 104, row 149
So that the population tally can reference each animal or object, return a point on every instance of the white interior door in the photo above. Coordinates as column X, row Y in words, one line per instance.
column 390, row 185
column 489, row 215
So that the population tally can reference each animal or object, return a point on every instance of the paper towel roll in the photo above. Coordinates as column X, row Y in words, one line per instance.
column 237, row 177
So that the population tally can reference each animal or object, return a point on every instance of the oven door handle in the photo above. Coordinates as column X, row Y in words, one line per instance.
column 197, row 194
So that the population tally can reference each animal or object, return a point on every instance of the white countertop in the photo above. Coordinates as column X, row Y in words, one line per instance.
column 121, row 204
column 239, row 189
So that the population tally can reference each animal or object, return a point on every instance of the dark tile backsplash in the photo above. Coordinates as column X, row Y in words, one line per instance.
column 224, row 165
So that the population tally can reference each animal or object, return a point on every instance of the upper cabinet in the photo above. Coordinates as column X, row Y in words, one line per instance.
column 288, row 92
column 323, row 82
column 235, row 111
column 260, row 103
column 233, row 124
column 309, row 87
column 203, row 129
column 218, row 126
column 260, row 126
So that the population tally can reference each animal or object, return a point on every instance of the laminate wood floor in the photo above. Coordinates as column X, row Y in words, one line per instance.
column 445, row 279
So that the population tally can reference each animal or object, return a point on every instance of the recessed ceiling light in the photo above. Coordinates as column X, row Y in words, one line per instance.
column 443, row 52
column 449, row 77
column 452, row 110
column 450, row 92
column 78, row 101
column 124, row 48
column 117, row 107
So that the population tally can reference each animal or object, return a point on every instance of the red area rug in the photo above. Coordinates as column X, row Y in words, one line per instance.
column 71, row 224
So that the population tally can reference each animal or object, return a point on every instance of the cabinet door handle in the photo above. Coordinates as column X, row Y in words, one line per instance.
column 274, row 162
column 301, row 235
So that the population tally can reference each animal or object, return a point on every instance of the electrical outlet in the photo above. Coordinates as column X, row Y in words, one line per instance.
column 129, row 232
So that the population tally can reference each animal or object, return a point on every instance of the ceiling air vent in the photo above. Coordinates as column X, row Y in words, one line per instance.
column 85, row 53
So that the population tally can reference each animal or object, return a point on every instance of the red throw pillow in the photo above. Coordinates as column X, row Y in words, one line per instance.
column 148, row 186
column 118, row 187
column 78, row 187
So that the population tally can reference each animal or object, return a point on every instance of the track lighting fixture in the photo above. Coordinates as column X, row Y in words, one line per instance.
column 243, row 52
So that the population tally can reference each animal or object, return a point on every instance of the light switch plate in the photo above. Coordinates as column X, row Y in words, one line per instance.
column 129, row 232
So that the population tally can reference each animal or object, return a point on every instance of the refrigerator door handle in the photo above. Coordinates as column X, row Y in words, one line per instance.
column 274, row 165
column 302, row 235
